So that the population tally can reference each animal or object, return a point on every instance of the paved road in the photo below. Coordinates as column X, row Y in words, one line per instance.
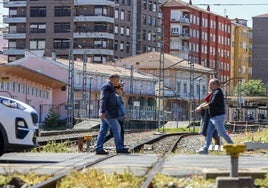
column 175, row 165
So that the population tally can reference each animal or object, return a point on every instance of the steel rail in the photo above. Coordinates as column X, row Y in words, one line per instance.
column 158, row 165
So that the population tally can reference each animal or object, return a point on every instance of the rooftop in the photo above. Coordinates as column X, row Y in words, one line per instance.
column 151, row 60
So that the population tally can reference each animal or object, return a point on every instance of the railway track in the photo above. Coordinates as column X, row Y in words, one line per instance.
column 168, row 150
column 51, row 182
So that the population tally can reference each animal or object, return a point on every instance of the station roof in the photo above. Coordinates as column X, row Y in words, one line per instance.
column 107, row 69
column 37, row 69
column 150, row 60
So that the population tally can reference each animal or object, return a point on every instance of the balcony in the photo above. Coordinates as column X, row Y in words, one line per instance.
column 93, row 35
column 93, row 51
column 13, row 51
column 14, row 36
column 184, row 21
column 11, row 4
column 94, row 2
column 182, row 35
column 181, row 20
column 93, row 19
column 14, row 19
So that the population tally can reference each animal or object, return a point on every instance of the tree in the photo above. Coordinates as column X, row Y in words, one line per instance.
column 52, row 118
column 251, row 88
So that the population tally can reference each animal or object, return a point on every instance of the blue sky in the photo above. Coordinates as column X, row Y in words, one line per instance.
column 242, row 11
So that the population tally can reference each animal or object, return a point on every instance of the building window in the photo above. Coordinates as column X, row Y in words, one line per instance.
column 128, row 15
column 150, row 6
column 144, row 34
column 38, row 11
column 145, row 4
column 149, row 37
column 116, row 14
column 116, row 29
column 100, row 11
column 61, row 43
column 62, row 27
column 100, row 27
column 122, row 30
column 122, row 15
column 144, row 19
column 154, row 7
column 127, row 47
column 184, row 88
column 128, row 31
column 154, row 21
column 115, row 45
column 100, row 44
column 37, row 44
column 37, row 28
column 62, row 11
column 149, row 20
column 121, row 46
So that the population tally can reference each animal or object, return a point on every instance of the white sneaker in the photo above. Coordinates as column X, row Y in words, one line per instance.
column 202, row 151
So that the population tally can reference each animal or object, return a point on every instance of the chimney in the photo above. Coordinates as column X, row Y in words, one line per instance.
column 54, row 56
column 208, row 8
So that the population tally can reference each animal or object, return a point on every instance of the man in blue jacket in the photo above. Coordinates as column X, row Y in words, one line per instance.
column 109, row 116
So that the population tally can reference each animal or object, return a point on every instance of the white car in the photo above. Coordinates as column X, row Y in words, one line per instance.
column 18, row 125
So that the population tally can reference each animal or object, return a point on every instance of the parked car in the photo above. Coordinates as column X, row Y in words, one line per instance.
column 18, row 125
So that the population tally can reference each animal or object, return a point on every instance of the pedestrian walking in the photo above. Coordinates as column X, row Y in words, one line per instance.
column 109, row 116
column 121, row 111
column 204, row 113
column 217, row 115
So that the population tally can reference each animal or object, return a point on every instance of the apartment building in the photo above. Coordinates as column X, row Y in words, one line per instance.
column 260, row 48
column 199, row 33
column 137, row 27
column 102, row 29
column 54, row 25
column 241, row 53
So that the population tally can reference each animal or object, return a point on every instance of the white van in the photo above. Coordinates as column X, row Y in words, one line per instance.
column 18, row 125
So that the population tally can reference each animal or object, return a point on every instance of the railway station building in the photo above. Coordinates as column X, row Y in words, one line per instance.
column 177, row 74
column 42, row 83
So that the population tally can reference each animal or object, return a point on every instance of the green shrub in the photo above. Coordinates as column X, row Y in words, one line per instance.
column 52, row 118
column 262, row 183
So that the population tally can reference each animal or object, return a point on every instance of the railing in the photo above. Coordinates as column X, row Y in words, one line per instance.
column 84, row 13
column 182, row 34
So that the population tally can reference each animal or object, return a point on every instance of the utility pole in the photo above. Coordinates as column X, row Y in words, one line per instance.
column 161, row 88
column 70, row 103
column 84, row 87
column 192, row 98
column 131, row 90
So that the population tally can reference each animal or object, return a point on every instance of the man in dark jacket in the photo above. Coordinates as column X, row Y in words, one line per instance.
column 109, row 116
column 217, row 115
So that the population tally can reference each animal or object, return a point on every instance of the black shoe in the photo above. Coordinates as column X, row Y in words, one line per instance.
column 101, row 152
column 124, row 150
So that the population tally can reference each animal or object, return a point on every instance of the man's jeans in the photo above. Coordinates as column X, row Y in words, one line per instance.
column 114, row 126
column 216, row 122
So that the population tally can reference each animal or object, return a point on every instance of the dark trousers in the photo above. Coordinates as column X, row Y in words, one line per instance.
column 110, row 135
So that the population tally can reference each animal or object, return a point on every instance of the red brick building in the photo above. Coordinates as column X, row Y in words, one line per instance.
column 188, row 29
